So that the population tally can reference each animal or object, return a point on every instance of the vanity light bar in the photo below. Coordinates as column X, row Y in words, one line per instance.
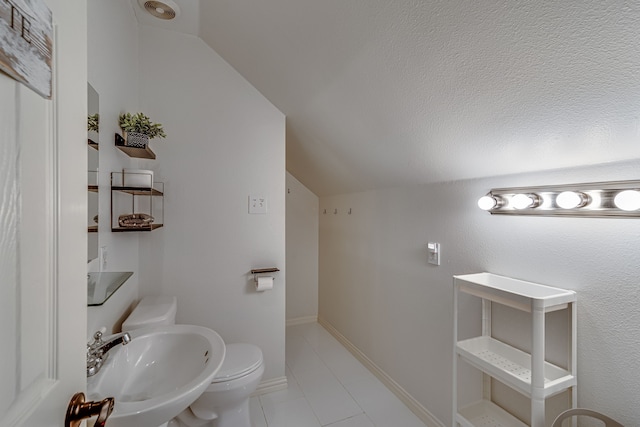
column 595, row 199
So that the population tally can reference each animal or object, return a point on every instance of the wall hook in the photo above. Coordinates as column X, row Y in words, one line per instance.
column 335, row 211
column 349, row 211
column 325, row 212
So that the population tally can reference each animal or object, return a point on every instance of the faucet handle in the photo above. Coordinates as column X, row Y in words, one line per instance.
column 97, row 341
column 98, row 336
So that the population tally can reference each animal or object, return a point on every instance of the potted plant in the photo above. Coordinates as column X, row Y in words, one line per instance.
column 93, row 123
column 93, row 129
column 138, row 129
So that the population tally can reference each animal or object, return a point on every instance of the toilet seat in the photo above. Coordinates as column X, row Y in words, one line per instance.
column 239, row 360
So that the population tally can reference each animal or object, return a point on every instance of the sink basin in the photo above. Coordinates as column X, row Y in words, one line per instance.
column 158, row 374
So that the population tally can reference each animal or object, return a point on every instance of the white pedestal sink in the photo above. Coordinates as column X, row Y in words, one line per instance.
column 158, row 374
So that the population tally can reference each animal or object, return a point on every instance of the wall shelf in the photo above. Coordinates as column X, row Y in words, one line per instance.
column 141, row 153
column 142, row 200
column 527, row 373
column 101, row 285
column 138, row 191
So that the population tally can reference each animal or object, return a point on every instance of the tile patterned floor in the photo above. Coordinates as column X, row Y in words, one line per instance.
column 327, row 387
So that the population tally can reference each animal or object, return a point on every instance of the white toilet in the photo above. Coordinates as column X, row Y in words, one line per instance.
column 225, row 403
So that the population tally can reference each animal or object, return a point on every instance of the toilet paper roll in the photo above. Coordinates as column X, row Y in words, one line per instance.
column 264, row 283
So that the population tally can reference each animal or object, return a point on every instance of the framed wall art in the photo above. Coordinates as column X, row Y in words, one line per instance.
column 26, row 43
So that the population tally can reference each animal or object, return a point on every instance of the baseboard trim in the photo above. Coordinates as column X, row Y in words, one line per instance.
column 269, row 386
column 416, row 407
column 302, row 320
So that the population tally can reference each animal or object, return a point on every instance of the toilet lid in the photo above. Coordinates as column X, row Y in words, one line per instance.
column 239, row 360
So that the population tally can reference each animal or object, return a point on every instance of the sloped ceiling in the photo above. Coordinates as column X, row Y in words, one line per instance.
column 382, row 93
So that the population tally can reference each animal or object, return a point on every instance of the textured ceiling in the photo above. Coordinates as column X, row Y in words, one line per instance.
column 400, row 92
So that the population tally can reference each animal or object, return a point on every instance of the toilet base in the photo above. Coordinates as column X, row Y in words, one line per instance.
column 237, row 416
column 226, row 403
column 187, row 419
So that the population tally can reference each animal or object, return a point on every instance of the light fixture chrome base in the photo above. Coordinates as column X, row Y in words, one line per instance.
column 595, row 199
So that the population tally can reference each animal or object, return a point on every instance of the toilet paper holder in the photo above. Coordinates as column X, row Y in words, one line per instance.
column 258, row 271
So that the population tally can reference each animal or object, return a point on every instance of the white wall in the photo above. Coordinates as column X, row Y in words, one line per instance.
column 224, row 142
column 377, row 289
column 302, row 251
column 113, row 71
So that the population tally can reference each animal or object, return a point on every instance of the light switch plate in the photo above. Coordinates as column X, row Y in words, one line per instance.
column 103, row 257
column 257, row 204
column 433, row 251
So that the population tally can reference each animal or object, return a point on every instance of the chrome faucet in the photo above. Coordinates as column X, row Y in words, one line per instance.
column 98, row 350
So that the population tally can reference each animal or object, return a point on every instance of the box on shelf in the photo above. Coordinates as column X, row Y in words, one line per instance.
column 142, row 178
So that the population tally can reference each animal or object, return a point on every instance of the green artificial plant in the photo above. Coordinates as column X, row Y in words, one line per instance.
column 93, row 122
column 140, row 123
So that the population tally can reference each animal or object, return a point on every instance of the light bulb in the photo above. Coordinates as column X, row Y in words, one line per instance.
column 628, row 200
column 571, row 199
column 522, row 201
column 486, row 203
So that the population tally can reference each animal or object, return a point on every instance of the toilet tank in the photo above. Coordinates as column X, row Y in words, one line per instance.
column 152, row 311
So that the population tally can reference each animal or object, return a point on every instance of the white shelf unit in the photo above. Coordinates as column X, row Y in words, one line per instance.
column 529, row 374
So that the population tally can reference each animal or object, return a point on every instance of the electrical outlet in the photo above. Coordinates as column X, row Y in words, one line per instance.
column 257, row 204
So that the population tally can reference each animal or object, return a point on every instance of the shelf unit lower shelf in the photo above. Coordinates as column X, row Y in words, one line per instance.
column 512, row 366
column 132, row 229
column 486, row 414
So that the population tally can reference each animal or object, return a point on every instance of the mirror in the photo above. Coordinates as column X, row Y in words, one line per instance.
column 93, row 140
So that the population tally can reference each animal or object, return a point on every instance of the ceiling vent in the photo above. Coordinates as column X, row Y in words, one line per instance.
column 165, row 9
